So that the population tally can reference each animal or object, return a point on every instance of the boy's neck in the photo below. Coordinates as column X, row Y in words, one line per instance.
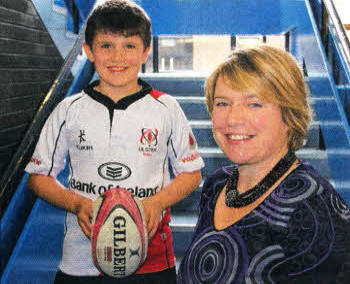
column 117, row 94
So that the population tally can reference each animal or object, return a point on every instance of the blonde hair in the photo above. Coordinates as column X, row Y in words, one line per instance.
column 273, row 76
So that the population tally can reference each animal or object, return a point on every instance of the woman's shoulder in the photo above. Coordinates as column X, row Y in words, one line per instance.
column 303, row 183
column 317, row 222
column 306, row 193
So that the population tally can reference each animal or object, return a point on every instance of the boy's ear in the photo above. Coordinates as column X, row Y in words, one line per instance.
column 88, row 52
column 145, row 54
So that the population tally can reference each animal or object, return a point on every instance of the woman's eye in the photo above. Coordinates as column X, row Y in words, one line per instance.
column 221, row 104
column 255, row 105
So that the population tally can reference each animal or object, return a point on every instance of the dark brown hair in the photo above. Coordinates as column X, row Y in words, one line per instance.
column 120, row 17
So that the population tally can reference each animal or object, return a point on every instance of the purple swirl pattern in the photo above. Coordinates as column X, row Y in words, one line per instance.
column 215, row 257
column 260, row 262
column 340, row 207
column 295, row 189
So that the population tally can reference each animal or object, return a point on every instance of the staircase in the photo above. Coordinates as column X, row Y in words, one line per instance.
column 55, row 16
column 62, row 20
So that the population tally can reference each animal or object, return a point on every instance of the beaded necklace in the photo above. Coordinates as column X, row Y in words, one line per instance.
column 234, row 199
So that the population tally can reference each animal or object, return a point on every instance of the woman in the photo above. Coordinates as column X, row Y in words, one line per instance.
column 269, row 218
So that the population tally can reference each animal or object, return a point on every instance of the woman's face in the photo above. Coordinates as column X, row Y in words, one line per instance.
column 248, row 130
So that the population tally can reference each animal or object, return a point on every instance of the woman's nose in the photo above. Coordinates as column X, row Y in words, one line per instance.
column 236, row 115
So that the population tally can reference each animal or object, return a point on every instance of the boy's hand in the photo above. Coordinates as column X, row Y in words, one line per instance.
column 47, row 188
column 84, row 215
column 182, row 185
column 152, row 210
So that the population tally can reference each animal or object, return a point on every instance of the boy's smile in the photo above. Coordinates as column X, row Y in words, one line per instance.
column 117, row 61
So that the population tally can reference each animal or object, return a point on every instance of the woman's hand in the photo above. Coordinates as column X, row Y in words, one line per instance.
column 84, row 216
column 152, row 210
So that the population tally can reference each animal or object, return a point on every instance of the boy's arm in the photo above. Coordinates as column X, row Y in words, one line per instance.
column 47, row 188
column 181, row 186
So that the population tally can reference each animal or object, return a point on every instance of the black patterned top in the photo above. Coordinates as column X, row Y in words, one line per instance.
column 299, row 234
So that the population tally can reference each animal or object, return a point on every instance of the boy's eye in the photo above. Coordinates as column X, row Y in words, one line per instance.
column 130, row 46
column 105, row 45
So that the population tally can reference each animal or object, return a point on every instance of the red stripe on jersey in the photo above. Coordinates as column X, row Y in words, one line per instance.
column 156, row 94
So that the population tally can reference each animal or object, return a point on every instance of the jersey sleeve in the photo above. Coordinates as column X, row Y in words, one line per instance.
column 50, row 153
column 182, row 147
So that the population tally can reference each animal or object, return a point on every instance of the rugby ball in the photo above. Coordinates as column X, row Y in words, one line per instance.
column 119, row 236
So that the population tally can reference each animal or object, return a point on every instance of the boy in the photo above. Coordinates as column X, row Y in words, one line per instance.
column 118, row 132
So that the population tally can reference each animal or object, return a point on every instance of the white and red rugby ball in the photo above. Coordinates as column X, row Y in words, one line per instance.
column 119, row 236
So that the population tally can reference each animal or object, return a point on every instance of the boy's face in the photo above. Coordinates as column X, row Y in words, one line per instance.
column 117, row 61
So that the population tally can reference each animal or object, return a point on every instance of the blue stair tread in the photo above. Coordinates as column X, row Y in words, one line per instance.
column 37, row 252
column 319, row 86
column 183, row 222
column 177, row 75
column 177, row 83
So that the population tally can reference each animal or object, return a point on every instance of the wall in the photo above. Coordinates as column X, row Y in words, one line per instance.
column 213, row 16
column 29, row 62
column 343, row 8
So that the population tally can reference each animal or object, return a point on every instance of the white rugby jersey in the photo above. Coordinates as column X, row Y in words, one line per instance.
column 125, row 144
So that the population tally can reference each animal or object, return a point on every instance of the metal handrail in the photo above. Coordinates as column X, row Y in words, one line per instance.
column 41, row 115
column 340, row 32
